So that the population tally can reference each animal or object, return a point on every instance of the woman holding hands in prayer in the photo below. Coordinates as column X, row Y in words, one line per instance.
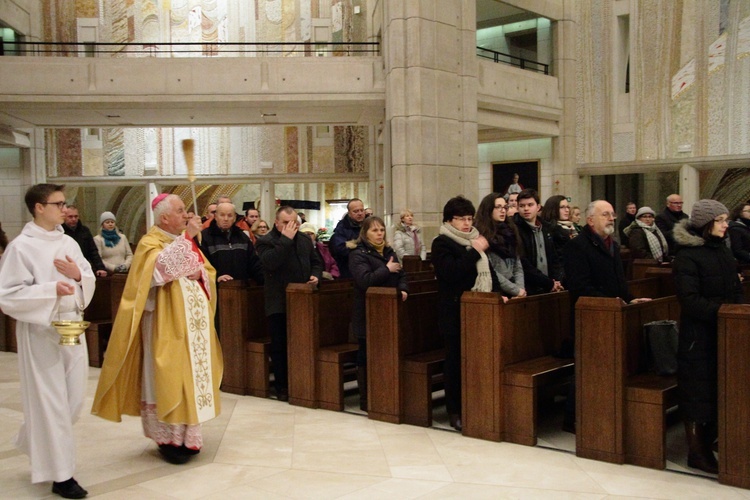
column 372, row 263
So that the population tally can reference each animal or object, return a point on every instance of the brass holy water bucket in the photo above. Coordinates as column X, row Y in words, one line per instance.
column 70, row 330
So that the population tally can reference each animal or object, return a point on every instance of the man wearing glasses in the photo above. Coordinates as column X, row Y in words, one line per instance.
column 44, row 277
column 671, row 215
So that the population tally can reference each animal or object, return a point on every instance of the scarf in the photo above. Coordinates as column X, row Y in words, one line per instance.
column 568, row 226
column 111, row 238
column 379, row 248
column 483, row 282
column 656, row 241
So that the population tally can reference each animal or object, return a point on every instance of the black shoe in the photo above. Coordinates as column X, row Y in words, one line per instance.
column 282, row 395
column 569, row 427
column 173, row 454
column 189, row 451
column 455, row 421
column 69, row 489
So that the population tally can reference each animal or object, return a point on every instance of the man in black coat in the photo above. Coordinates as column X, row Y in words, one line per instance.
column 229, row 249
column 667, row 219
column 542, row 268
column 85, row 240
column 626, row 220
column 345, row 235
column 593, row 268
column 287, row 257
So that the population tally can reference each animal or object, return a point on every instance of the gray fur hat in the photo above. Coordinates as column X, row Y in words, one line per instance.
column 704, row 211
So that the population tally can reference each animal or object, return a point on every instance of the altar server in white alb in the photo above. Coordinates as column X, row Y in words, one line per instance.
column 44, row 277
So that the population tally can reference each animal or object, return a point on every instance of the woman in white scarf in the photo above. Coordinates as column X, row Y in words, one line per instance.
column 645, row 239
column 460, row 262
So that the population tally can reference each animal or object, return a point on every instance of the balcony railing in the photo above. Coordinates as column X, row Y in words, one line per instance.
column 193, row 49
column 519, row 62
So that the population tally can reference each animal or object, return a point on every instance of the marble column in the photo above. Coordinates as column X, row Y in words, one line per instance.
column 431, row 95
column 564, row 177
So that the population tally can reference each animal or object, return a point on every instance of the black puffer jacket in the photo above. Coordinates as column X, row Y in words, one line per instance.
column 285, row 261
column 591, row 270
column 739, row 235
column 368, row 268
column 705, row 278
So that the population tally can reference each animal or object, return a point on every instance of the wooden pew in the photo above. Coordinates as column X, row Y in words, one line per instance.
column 506, row 357
column 99, row 314
column 734, row 395
column 620, row 411
column 244, row 338
column 318, row 321
column 404, row 353
column 639, row 266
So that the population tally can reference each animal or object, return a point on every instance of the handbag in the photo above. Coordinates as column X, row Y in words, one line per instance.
column 660, row 339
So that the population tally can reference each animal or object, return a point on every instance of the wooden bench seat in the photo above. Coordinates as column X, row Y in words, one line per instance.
column 522, row 383
column 507, row 357
column 318, row 342
column 404, row 353
column 421, row 374
column 257, row 371
column 332, row 369
column 97, row 338
column 621, row 410
column 647, row 398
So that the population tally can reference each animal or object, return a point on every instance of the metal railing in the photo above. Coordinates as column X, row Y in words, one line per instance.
column 194, row 49
column 518, row 62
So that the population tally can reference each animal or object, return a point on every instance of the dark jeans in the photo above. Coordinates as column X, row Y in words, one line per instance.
column 277, row 330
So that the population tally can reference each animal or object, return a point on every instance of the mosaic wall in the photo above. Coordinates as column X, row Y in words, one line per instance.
column 219, row 150
column 689, row 77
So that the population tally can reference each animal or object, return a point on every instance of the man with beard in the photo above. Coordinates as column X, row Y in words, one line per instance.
column 593, row 268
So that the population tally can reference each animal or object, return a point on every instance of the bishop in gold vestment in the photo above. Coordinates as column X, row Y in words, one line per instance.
column 164, row 361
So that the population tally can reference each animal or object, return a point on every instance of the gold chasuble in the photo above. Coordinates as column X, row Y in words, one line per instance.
column 188, row 362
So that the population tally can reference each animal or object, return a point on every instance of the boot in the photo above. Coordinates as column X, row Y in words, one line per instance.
column 700, row 455
column 362, row 384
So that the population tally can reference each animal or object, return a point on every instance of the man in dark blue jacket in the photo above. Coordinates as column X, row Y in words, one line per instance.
column 345, row 235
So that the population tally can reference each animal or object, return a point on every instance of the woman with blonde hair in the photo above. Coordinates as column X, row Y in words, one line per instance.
column 113, row 246
column 260, row 228
column 372, row 263
column 407, row 238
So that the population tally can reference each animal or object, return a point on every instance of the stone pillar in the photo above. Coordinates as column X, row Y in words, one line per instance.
column 267, row 202
column 564, row 145
column 431, row 106
column 689, row 186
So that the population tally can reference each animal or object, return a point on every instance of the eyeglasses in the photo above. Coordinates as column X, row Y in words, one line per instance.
column 646, row 216
column 262, row 227
column 60, row 204
column 676, row 203
column 501, row 207
column 609, row 215
column 467, row 218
